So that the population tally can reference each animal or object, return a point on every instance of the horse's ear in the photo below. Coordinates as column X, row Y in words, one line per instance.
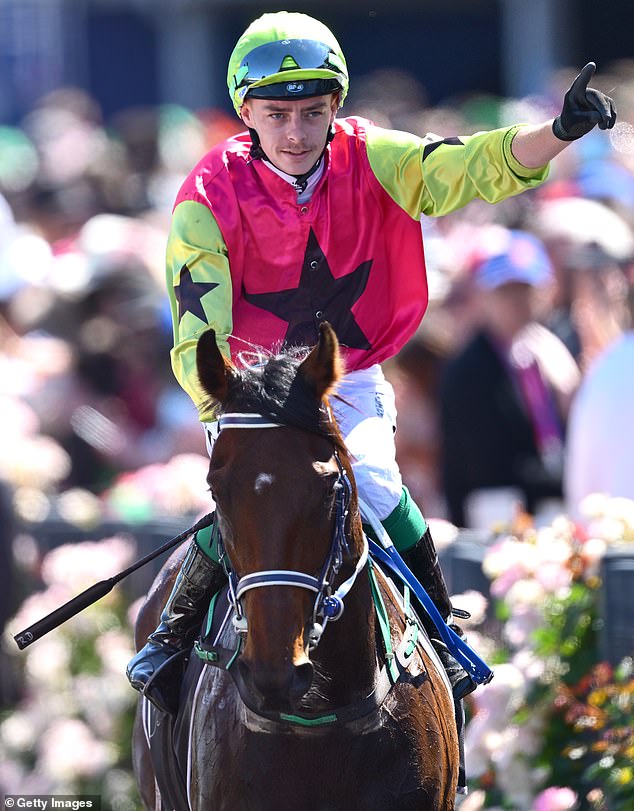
column 213, row 370
column 324, row 366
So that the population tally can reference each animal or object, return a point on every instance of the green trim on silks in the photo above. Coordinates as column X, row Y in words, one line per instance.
column 405, row 524
column 206, row 541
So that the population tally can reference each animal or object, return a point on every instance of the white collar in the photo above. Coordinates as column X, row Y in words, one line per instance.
column 313, row 180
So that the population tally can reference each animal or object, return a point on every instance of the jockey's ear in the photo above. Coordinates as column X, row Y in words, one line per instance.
column 214, row 371
column 324, row 366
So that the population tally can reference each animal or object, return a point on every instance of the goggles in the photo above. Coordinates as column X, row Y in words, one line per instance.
column 269, row 59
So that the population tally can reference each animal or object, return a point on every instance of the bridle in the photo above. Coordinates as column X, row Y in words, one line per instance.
column 328, row 605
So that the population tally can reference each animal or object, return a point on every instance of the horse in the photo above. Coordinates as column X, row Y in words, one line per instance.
column 315, row 707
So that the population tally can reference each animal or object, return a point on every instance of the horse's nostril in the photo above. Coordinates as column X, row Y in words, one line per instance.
column 282, row 686
column 266, row 680
column 302, row 679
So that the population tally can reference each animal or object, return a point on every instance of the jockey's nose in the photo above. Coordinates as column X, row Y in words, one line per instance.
column 295, row 130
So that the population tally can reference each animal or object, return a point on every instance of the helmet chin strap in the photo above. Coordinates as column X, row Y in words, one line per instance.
column 301, row 181
column 256, row 151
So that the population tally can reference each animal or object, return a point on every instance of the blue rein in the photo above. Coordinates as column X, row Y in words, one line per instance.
column 387, row 554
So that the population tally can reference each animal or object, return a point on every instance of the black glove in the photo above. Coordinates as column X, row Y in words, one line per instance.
column 584, row 107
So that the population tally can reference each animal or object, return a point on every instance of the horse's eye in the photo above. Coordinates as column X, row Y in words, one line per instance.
column 215, row 482
column 330, row 488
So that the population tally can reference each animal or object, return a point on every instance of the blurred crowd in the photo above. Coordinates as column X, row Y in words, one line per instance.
column 496, row 408
column 515, row 394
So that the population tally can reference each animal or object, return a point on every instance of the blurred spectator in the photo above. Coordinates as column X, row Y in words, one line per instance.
column 587, row 242
column 84, row 318
column 415, row 374
column 600, row 445
column 504, row 397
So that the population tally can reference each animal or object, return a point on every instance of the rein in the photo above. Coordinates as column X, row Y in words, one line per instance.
column 328, row 605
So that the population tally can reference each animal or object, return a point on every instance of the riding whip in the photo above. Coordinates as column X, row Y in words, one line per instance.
column 98, row 590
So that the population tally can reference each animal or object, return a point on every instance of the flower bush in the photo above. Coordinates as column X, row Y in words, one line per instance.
column 172, row 489
column 177, row 487
column 555, row 728
column 71, row 728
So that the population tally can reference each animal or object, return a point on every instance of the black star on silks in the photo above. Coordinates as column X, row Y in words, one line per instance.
column 319, row 297
column 432, row 145
column 189, row 293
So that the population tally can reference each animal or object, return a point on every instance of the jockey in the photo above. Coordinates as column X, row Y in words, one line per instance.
column 306, row 217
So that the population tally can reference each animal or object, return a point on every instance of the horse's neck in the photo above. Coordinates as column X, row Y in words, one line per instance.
column 347, row 651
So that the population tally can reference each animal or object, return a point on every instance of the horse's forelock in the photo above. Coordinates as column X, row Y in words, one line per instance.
column 273, row 387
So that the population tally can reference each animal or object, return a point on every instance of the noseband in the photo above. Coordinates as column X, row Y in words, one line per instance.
column 328, row 605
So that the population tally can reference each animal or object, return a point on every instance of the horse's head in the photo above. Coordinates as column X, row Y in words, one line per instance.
column 280, row 507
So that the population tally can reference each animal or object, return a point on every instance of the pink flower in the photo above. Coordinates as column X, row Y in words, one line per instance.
column 554, row 577
column 504, row 581
column 555, row 799
column 524, row 621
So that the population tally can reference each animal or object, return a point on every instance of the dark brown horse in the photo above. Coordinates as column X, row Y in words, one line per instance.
column 310, row 713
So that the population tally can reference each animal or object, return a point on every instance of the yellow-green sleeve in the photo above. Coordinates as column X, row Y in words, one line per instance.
column 435, row 176
column 197, row 259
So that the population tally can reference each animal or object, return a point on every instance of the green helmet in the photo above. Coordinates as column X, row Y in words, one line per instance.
column 286, row 55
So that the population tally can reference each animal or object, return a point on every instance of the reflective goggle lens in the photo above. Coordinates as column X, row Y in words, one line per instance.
column 288, row 54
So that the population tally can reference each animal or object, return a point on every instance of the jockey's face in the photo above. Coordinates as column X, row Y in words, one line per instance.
column 292, row 132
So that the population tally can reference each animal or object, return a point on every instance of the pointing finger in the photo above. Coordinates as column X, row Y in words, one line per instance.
column 578, row 88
